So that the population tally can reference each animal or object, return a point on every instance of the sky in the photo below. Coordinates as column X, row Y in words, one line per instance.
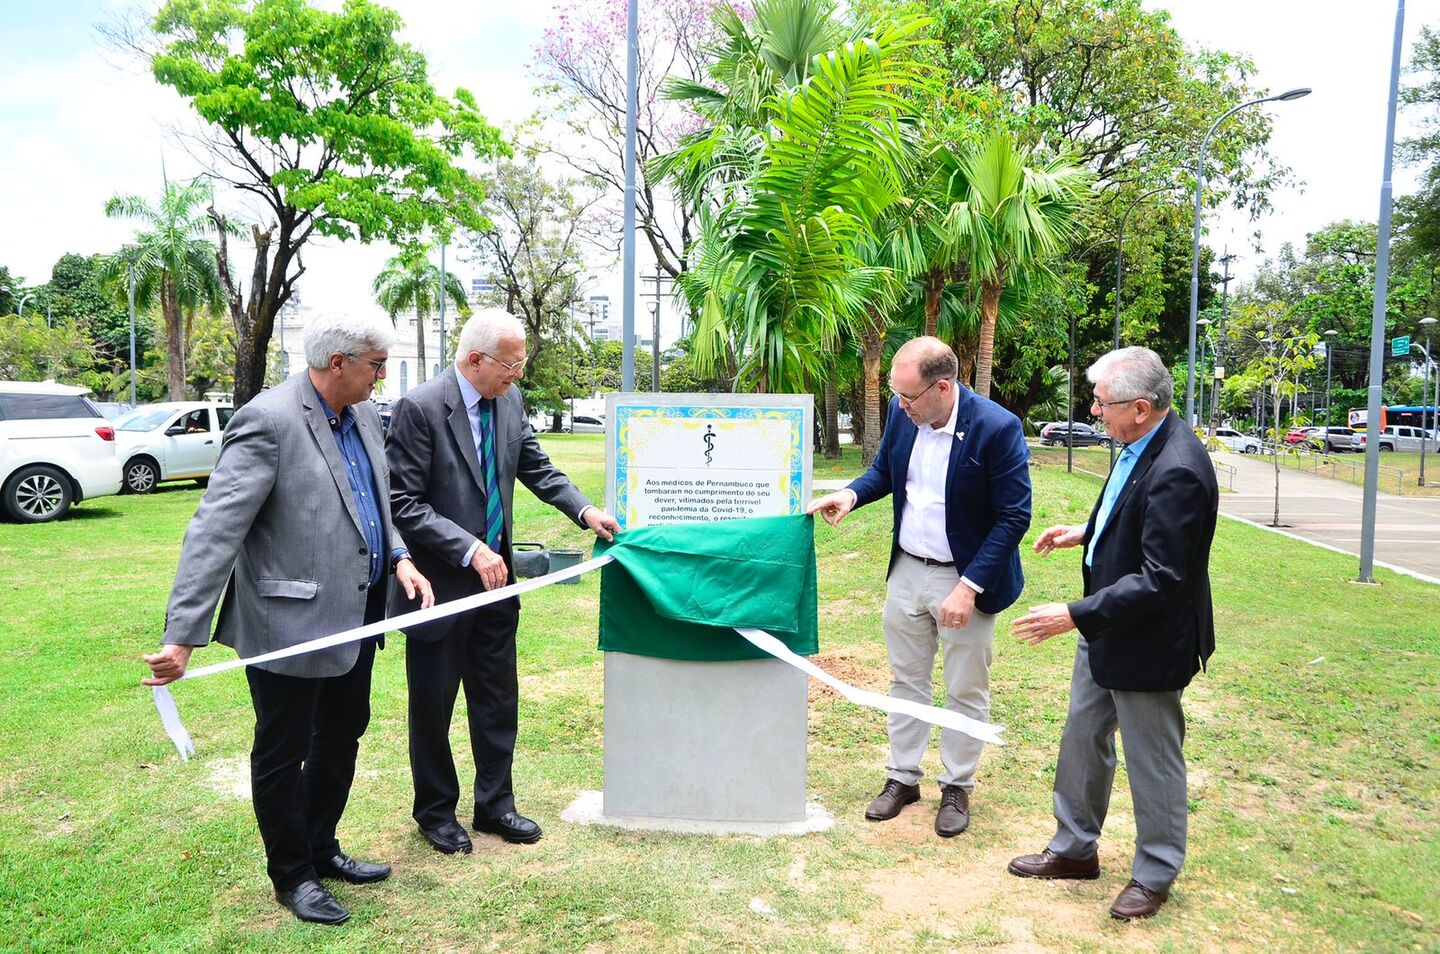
column 78, row 126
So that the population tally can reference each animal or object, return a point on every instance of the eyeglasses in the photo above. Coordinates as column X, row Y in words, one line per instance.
column 1102, row 405
column 515, row 368
column 911, row 400
column 378, row 366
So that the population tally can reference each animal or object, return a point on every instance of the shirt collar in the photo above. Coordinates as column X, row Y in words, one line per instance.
column 338, row 422
column 468, row 394
column 949, row 426
column 1137, row 446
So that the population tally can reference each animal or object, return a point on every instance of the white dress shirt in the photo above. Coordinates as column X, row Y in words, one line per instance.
column 922, row 519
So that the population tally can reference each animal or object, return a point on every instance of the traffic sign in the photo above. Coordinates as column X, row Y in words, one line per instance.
column 1400, row 347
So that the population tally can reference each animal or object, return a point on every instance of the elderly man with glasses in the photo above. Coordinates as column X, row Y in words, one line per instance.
column 1146, row 627
column 294, row 532
column 457, row 445
column 955, row 466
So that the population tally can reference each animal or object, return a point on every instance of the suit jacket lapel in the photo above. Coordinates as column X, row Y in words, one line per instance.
column 965, row 399
column 502, row 425
column 375, row 450
column 325, row 438
column 460, row 426
column 1143, row 465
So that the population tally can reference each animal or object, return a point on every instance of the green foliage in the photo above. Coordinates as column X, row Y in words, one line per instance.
column 351, row 131
column 410, row 282
column 77, row 293
column 29, row 351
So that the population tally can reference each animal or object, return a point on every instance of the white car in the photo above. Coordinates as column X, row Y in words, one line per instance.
column 1236, row 442
column 178, row 440
column 56, row 449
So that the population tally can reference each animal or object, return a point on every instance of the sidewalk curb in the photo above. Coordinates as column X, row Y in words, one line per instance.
column 1334, row 549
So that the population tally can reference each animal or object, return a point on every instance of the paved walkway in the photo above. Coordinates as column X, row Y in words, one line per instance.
column 1407, row 529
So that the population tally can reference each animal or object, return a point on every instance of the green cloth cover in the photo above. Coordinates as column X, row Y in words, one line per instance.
column 678, row 591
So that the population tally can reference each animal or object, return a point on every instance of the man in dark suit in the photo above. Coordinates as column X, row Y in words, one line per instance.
column 457, row 445
column 295, row 530
column 955, row 465
column 1146, row 628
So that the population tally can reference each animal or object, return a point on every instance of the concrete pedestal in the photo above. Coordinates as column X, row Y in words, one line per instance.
column 705, row 741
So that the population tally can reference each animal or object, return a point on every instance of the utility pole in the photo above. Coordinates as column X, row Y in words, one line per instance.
column 130, row 270
column 1226, row 258
column 659, row 278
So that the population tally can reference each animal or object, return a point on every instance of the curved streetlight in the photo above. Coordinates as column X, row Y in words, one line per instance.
column 20, row 311
column 1285, row 97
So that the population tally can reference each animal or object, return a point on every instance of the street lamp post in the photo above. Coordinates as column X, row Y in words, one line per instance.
column 20, row 311
column 1284, row 97
column 1329, row 354
column 1204, row 340
column 130, row 272
column 1427, row 324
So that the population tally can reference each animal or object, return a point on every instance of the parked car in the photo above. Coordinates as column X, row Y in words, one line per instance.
column 114, row 410
column 56, row 449
column 1336, row 440
column 1399, row 438
column 1238, row 443
column 1297, row 435
column 585, row 424
column 1053, row 435
column 176, row 440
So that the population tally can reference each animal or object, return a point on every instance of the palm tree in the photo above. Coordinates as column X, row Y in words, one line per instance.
column 410, row 282
column 1016, row 212
column 175, row 265
column 801, row 177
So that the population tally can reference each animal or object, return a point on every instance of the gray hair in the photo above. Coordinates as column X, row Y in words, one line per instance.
column 1133, row 373
column 344, row 334
column 485, row 329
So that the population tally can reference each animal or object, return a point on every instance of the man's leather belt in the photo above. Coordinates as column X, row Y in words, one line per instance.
column 927, row 561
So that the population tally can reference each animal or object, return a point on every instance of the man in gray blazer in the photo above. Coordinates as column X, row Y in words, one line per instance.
column 294, row 531
column 457, row 445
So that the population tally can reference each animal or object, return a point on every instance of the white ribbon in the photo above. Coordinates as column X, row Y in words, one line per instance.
column 170, row 715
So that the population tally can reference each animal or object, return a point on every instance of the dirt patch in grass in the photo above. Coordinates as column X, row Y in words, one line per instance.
column 845, row 666
column 230, row 778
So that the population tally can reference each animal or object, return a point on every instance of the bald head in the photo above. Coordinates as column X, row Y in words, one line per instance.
column 931, row 358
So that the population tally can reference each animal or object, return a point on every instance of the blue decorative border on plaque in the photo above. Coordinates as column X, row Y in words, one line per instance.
column 626, row 413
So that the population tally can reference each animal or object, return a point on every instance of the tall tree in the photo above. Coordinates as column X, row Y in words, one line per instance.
column 410, row 282
column 1018, row 212
column 327, row 122
column 175, row 264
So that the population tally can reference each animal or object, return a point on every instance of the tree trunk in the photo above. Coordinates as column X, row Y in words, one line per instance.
column 420, row 346
column 832, row 418
column 985, row 354
column 934, row 289
column 857, row 412
column 965, row 346
column 174, row 340
column 270, row 289
column 1275, row 456
column 873, row 343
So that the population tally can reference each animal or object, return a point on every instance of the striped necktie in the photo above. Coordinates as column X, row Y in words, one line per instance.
column 494, row 512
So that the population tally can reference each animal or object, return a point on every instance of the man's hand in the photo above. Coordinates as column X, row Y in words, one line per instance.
column 1042, row 622
column 602, row 523
column 955, row 611
column 1060, row 538
column 167, row 665
column 833, row 507
column 491, row 567
column 414, row 582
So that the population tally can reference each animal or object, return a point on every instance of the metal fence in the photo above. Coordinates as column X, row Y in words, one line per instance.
column 1349, row 467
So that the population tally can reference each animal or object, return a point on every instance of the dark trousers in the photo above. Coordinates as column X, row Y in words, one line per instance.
column 307, row 734
column 480, row 653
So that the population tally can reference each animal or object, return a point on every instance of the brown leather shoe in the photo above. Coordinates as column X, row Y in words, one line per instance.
column 1137, row 901
column 954, row 814
column 893, row 797
column 1049, row 865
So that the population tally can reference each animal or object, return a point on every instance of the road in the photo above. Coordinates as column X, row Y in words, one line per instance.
column 1407, row 529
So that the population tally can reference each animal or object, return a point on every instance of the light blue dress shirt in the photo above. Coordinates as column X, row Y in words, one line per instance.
column 1124, row 466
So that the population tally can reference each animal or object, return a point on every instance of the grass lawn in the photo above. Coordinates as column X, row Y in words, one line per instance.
column 1313, row 746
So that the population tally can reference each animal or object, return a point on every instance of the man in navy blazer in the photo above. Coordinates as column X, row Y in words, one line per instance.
column 1146, row 627
column 955, row 466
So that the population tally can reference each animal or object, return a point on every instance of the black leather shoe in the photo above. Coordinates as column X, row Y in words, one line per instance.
column 309, row 901
column 893, row 797
column 954, row 814
column 1051, row 866
column 512, row 826
column 349, row 869
column 448, row 837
